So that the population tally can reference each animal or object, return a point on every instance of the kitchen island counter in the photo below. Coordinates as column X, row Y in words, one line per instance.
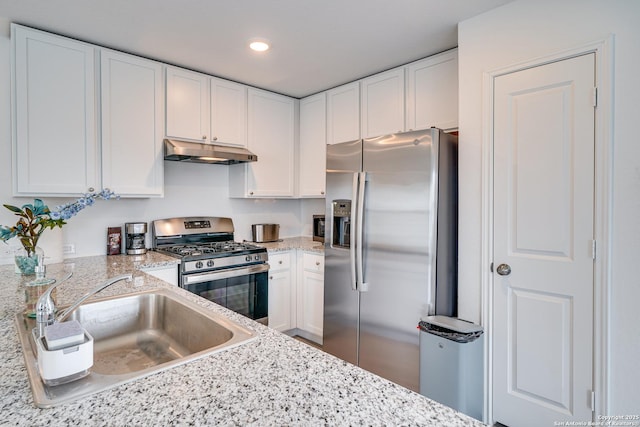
column 272, row 380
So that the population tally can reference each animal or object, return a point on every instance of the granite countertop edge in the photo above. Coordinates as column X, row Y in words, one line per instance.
column 304, row 243
column 271, row 380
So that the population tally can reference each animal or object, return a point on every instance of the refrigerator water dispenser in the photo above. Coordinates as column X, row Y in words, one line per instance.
column 341, row 224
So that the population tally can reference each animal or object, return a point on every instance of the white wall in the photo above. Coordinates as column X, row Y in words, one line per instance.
column 190, row 189
column 522, row 31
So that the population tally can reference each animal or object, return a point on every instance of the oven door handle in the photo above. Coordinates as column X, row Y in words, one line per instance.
column 225, row 274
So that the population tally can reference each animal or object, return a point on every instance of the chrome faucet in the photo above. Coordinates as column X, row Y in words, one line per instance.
column 45, row 308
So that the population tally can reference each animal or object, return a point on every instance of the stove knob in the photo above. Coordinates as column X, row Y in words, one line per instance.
column 247, row 258
column 199, row 264
column 257, row 257
column 210, row 263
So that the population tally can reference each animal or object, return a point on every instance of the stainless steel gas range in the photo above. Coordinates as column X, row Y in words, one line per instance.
column 213, row 265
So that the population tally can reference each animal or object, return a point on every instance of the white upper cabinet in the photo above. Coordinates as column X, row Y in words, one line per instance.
column 383, row 103
column 228, row 112
column 343, row 113
column 55, row 135
column 271, row 125
column 432, row 92
column 313, row 148
column 205, row 109
column 187, row 105
column 132, row 124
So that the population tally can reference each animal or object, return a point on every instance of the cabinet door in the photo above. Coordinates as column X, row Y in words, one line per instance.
column 313, row 148
column 280, row 300
column 343, row 113
column 228, row 112
column 432, row 92
column 313, row 303
column 55, row 138
column 310, row 310
column 168, row 274
column 383, row 103
column 187, row 104
column 271, row 138
column 132, row 131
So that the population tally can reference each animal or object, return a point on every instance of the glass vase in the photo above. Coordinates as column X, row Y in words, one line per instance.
column 25, row 262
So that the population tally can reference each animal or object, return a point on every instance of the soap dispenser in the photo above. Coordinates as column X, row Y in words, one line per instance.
column 41, row 272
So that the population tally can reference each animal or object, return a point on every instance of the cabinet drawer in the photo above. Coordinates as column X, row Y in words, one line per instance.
column 279, row 261
column 313, row 262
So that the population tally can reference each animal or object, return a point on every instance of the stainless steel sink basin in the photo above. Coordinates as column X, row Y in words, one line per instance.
column 134, row 336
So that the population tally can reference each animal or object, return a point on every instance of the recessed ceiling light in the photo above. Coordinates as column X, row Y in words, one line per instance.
column 259, row 45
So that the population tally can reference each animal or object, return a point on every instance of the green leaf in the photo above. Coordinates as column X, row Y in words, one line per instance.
column 13, row 208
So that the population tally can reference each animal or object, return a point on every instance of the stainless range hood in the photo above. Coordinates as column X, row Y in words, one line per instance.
column 197, row 152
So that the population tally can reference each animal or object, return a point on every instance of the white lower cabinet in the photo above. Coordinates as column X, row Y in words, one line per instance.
column 280, row 290
column 296, row 293
column 310, row 286
column 167, row 273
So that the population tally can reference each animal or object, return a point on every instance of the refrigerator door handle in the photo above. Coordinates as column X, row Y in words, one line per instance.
column 352, row 242
column 361, row 284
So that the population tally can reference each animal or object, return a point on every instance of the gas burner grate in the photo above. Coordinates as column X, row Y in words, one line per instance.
column 208, row 248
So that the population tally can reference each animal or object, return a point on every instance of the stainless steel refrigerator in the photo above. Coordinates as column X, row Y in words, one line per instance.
column 390, row 248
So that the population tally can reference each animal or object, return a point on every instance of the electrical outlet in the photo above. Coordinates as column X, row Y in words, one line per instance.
column 68, row 249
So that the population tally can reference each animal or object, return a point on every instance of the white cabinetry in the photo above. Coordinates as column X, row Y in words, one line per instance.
column 187, row 104
column 383, row 103
column 167, row 273
column 271, row 124
column 228, row 112
column 313, row 148
column 55, row 135
column 132, row 124
column 280, row 291
column 343, row 113
column 310, row 295
column 205, row 109
column 432, row 92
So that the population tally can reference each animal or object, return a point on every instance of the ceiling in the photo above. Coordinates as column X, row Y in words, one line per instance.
column 316, row 45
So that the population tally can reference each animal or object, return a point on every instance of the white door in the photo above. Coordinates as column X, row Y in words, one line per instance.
column 543, row 231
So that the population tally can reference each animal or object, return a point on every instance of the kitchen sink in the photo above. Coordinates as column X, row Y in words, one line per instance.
column 135, row 335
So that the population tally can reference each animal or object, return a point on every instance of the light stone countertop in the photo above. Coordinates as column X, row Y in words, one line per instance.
column 272, row 380
column 289, row 243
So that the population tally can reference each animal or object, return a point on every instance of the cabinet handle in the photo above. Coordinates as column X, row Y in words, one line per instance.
column 204, row 137
column 270, row 277
column 317, row 262
column 215, row 138
column 251, row 193
column 280, row 262
column 322, row 192
column 91, row 189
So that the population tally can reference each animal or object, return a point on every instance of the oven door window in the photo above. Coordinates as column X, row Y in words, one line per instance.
column 245, row 294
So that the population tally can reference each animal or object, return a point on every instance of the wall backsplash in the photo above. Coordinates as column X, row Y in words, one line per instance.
column 190, row 189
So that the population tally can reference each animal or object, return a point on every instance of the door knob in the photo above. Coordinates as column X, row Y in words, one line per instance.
column 503, row 269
